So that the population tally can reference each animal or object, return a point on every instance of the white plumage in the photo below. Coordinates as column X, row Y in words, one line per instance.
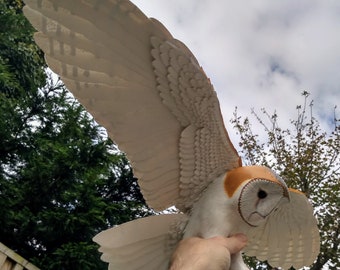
column 156, row 102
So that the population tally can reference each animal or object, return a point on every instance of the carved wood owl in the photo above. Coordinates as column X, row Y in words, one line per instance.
column 156, row 102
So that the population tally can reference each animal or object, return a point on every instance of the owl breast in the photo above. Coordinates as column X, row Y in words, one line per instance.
column 215, row 213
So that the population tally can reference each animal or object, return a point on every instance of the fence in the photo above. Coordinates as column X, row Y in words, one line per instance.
column 9, row 260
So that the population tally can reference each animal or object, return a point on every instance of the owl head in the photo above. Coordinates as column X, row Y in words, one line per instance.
column 281, row 227
column 261, row 192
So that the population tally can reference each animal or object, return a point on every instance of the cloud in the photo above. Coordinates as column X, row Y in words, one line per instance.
column 261, row 53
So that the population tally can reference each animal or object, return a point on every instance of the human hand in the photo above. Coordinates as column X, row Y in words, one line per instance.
column 201, row 254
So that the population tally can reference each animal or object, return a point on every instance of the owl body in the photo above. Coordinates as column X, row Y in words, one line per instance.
column 132, row 75
column 215, row 214
column 236, row 202
column 218, row 212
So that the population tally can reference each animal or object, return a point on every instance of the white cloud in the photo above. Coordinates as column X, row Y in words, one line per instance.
column 261, row 53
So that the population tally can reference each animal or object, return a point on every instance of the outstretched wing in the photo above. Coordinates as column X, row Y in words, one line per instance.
column 143, row 244
column 144, row 87
column 290, row 237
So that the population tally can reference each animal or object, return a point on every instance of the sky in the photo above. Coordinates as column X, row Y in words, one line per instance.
column 261, row 54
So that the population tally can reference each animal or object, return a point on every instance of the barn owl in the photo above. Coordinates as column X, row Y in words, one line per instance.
column 157, row 103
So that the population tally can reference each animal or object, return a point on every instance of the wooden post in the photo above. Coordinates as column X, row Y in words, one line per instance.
column 9, row 260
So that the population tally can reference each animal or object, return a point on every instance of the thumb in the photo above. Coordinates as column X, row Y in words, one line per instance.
column 234, row 243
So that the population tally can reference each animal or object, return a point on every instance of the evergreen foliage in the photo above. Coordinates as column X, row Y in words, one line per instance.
column 61, row 179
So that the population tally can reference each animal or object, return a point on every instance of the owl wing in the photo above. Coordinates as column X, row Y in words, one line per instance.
column 125, row 247
column 144, row 87
column 290, row 236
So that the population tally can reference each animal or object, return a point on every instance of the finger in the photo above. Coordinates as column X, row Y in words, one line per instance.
column 234, row 243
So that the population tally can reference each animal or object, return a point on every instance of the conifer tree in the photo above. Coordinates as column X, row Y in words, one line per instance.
column 61, row 179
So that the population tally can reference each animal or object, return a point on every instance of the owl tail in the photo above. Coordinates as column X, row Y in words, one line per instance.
column 145, row 243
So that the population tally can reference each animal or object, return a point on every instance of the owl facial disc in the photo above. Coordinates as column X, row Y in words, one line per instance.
column 258, row 199
column 261, row 192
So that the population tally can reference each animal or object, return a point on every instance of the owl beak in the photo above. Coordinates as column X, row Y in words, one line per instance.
column 256, row 217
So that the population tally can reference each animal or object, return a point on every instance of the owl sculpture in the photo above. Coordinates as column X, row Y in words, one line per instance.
column 156, row 102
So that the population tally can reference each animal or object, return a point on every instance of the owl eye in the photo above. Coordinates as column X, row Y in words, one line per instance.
column 261, row 194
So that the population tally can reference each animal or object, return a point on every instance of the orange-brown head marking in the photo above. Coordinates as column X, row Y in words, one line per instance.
column 236, row 177
column 296, row 191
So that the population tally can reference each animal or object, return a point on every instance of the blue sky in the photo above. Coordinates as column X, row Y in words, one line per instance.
column 261, row 53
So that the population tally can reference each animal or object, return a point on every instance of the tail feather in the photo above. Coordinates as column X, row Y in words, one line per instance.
column 145, row 243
